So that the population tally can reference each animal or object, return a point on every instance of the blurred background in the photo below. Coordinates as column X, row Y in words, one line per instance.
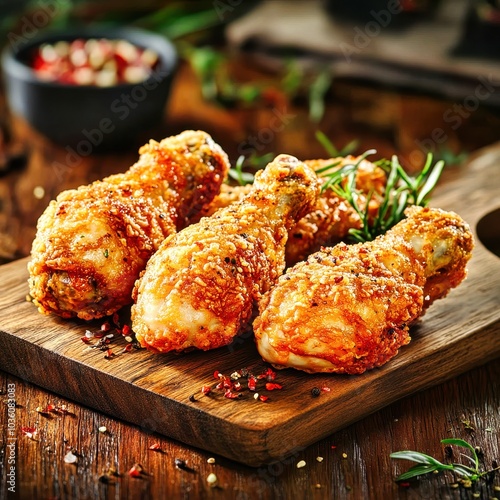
column 311, row 78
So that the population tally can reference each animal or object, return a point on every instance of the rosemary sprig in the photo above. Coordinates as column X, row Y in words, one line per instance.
column 426, row 464
column 330, row 148
column 253, row 162
column 401, row 190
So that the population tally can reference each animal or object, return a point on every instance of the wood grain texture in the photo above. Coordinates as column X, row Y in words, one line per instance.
column 466, row 407
column 153, row 391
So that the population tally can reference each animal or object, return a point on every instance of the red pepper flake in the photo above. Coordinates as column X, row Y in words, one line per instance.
column 105, row 327
column 269, row 375
column 333, row 446
column 86, row 340
column 325, row 389
column 338, row 279
column 109, row 354
column 263, row 398
column 217, row 374
column 128, row 348
column 271, row 386
column 155, row 447
column 46, row 410
column 126, row 330
column 232, row 395
column 29, row 431
column 206, row 389
column 136, row 471
column 404, row 485
column 252, row 383
column 98, row 335
column 116, row 320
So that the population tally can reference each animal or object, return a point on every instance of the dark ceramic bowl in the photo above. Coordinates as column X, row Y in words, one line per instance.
column 84, row 117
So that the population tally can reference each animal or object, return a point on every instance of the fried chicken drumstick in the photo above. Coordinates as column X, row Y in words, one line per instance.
column 200, row 287
column 348, row 308
column 330, row 219
column 93, row 242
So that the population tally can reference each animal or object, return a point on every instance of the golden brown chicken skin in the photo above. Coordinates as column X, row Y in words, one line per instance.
column 93, row 242
column 330, row 219
column 349, row 308
column 200, row 288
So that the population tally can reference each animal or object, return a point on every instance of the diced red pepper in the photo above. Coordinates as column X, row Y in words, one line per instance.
column 271, row 386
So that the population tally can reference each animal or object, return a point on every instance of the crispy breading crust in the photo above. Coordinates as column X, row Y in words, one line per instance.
column 92, row 242
column 330, row 219
column 348, row 308
column 200, row 288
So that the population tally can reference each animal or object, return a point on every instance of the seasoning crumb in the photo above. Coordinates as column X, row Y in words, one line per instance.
column 317, row 486
column 256, row 395
column 454, row 485
column 211, row 460
column 192, row 398
column 212, row 479
column 70, row 457
column 319, row 459
column 301, row 464
column 344, row 455
column 496, row 488
column 38, row 192
column 315, row 392
column 103, row 429
column 476, row 495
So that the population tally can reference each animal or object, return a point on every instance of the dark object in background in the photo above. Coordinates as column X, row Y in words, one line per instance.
column 481, row 32
column 90, row 118
column 397, row 13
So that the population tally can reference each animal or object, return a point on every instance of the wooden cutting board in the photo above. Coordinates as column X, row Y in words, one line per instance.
column 152, row 391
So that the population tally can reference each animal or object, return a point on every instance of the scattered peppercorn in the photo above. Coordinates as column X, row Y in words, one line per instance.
column 315, row 392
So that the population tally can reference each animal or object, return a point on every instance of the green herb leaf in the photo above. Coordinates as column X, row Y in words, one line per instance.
column 317, row 93
column 426, row 463
column 253, row 162
column 401, row 190
column 417, row 470
column 418, row 457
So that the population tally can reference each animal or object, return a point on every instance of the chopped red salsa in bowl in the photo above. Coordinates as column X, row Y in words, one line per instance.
column 93, row 61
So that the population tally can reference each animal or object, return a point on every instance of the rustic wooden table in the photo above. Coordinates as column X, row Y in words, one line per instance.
column 355, row 461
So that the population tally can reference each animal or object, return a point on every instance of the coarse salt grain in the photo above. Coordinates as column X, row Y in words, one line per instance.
column 319, row 459
column 211, row 460
column 70, row 458
column 212, row 479
column 301, row 464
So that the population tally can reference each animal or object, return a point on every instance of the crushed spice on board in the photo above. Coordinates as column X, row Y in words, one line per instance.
column 232, row 388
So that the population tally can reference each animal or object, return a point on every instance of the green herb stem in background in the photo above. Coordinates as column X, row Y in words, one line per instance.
column 426, row 464
column 401, row 190
column 254, row 162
